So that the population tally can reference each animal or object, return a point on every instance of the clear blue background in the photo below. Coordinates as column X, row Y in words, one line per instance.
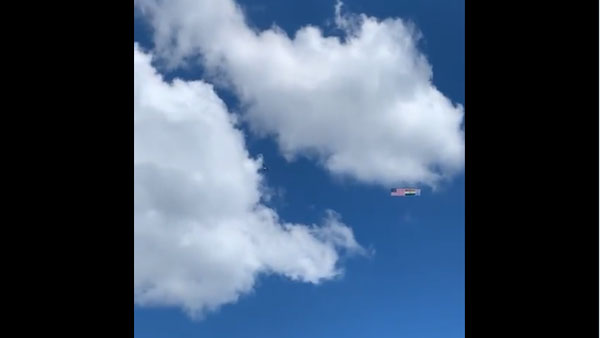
column 413, row 286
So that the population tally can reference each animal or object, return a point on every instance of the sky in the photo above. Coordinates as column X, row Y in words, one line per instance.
column 339, row 113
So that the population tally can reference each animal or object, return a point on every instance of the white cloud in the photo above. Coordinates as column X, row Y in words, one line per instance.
column 364, row 106
column 201, row 233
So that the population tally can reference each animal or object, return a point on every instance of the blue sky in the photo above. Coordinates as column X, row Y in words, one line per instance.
column 413, row 284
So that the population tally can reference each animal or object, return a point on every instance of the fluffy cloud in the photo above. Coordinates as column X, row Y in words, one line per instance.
column 363, row 105
column 201, row 233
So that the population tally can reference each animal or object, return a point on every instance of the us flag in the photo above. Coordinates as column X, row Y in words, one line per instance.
column 405, row 192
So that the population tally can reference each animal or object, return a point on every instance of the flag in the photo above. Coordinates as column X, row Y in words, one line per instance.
column 405, row 192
